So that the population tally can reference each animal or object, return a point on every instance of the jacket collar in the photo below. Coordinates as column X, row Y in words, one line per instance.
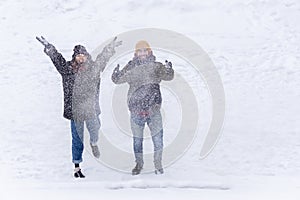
column 149, row 59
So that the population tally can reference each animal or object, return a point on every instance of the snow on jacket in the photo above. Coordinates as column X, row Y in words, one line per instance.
column 81, row 87
column 143, row 78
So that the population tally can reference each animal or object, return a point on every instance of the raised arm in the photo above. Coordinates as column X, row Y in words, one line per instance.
column 57, row 59
column 107, row 52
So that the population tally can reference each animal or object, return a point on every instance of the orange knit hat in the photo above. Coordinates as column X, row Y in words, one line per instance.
column 142, row 44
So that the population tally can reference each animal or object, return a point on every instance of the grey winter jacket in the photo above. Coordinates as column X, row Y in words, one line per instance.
column 143, row 79
column 81, row 88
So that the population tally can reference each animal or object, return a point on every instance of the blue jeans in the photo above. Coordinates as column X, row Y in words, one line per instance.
column 77, row 129
column 154, row 122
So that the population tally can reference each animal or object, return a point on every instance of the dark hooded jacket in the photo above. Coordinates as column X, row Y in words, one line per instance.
column 143, row 78
column 81, row 85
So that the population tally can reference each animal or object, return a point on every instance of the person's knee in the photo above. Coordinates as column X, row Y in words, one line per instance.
column 158, row 146
column 138, row 143
column 93, row 126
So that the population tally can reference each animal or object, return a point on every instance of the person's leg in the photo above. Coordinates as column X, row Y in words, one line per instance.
column 93, row 125
column 77, row 146
column 156, row 128
column 77, row 141
column 137, row 128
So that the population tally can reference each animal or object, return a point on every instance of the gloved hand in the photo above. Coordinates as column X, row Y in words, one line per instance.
column 168, row 64
column 49, row 49
column 114, row 44
column 117, row 69
column 116, row 74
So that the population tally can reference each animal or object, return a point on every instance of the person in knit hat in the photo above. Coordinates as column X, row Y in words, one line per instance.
column 142, row 50
column 144, row 74
column 81, row 85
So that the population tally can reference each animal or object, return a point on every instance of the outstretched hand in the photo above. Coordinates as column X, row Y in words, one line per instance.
column 168, row 64
column 42, row 40
column 117, row 69
column 114, row 43
column 49, row 48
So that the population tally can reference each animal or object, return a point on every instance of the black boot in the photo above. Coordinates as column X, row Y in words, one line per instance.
column 137, row 169
column 78, row 173
column 159, row 171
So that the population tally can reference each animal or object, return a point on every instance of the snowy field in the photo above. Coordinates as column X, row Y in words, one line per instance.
column 255, row 46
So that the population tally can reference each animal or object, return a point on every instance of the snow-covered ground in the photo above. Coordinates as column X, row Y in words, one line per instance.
column 254, row 44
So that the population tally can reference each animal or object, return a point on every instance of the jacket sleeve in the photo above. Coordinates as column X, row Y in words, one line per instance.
column 119, row 77
column 57, row 59
column 165, row 73
column 103, row 58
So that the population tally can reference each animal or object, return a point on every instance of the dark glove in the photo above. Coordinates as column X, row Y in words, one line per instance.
column 168, row 64
column 117, row 69
column 116, row 74
column 49, row 49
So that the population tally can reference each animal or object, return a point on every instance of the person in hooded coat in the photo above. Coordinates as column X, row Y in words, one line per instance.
column 144, row 74
column 81, row 87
